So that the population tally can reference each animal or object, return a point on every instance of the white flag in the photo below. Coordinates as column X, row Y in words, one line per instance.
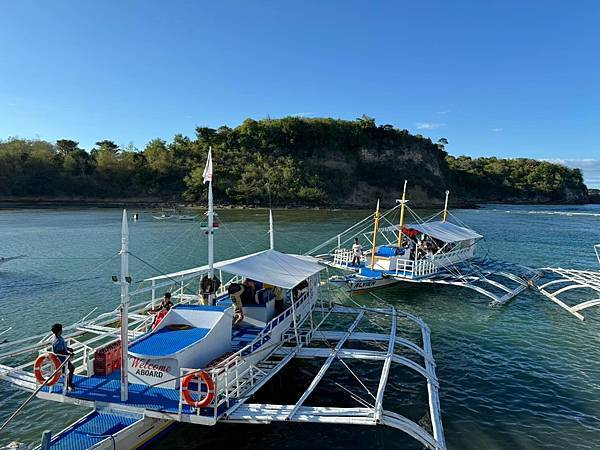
column 208, row 169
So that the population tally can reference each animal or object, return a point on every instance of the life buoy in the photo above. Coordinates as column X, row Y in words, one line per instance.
column 159, row 317
column 187, row 395
column 37, row 368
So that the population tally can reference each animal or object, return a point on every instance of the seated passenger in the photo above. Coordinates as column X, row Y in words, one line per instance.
column 249, row 295
column 165, row 304
column 235, row 291
column 299, row 289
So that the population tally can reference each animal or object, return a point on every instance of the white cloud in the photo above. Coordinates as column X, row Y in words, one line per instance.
column 303, row 114
column 497, row 130
column 589, row 166
column 442, row 112
column 429, row 125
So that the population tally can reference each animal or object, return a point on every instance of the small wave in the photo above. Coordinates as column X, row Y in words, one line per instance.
column 565, row 213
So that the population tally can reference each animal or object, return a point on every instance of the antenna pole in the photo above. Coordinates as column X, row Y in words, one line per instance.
column 446, row 206
column 375, row 228
column 402, row 215
column 124, row 306
column 271, row 231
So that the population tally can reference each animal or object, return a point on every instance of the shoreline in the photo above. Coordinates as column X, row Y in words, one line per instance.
column 149, row 203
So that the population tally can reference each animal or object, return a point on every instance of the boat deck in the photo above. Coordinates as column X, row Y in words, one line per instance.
column 167, row 341
column 104, row 389
column 91, row 430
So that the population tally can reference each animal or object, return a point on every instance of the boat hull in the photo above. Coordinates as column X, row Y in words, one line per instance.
column 357, row 283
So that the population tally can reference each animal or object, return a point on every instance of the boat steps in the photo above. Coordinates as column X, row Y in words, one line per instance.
column 92, row 429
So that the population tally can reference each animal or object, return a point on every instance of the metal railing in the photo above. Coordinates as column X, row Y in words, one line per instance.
column 235, row 374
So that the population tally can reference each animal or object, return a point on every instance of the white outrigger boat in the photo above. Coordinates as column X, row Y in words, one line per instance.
column 435, row 251
column 197, row 367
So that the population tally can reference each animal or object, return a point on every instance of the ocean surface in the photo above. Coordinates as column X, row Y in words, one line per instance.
column 523, row 376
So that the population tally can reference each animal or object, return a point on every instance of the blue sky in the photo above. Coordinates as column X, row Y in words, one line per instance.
column 506, row 78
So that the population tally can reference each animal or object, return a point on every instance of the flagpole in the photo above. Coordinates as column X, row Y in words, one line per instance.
column 211, row 256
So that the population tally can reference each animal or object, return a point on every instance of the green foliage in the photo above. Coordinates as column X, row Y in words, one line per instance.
column 287, row 161
column 498, row 179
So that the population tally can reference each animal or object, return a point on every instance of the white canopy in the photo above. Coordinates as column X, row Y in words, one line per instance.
column 444, row 231
column 268, row 266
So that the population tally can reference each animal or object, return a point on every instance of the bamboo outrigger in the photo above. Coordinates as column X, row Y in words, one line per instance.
column 196, row 366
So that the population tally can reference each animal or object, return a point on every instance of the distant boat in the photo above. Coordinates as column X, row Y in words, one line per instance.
column 163, row 216
column 173, row 214
column 186, row 216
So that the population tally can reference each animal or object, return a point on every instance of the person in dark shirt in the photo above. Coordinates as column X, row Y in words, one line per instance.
column 60, row 349
column 236, row 291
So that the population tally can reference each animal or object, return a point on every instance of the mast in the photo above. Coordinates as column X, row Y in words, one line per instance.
column 211, row 213
column 375, row 228
column 446, row 206
column 402, row 215
column 271, row 231
column 124, row 305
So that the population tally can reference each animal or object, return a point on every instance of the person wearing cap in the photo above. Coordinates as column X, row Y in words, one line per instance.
column 60, row 349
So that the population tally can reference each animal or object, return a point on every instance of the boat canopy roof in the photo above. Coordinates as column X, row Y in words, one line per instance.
column 444, row 231
column 269, row 266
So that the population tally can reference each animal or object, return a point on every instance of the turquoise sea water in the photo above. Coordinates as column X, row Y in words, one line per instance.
column 524, row 376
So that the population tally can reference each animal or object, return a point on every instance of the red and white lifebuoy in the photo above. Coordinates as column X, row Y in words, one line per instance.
column 187, row 394
column 37, row 368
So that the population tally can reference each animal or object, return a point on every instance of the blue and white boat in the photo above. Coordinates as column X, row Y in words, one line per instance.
column 436, row 250
column 197, row 365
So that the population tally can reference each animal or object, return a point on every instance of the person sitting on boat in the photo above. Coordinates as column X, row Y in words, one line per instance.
column 249, row 295
column 356, row 253
column 235, row 291
column 60, row 349
column 299, row 289
column 165, row 304
column 161, row 310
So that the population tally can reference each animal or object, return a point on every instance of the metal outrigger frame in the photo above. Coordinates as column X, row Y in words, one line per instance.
column 500, row 281
column 332, row 345
column 570, row 279
column 565, row 281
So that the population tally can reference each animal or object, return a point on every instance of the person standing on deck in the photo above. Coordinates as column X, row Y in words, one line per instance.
column 60, row 349
column 278, row 293
column 356, row 253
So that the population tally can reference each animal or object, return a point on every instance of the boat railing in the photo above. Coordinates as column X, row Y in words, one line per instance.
column 405, row 268
column 342, row 256
column 235, row 374
column 442, row 259
column 432, row 264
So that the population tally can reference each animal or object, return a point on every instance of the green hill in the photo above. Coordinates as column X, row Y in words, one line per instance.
column 293, row 161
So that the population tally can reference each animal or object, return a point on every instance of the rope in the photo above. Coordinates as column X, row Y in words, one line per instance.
column 32, row 396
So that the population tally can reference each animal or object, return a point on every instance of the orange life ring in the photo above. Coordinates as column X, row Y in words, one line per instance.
column 37, row 368
column 210, row 389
